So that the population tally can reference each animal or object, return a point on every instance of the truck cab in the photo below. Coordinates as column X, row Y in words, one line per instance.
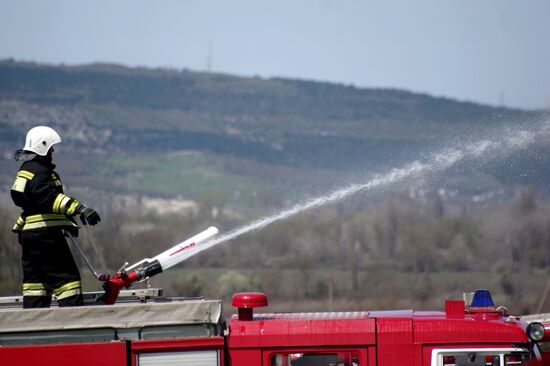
column 477, row 334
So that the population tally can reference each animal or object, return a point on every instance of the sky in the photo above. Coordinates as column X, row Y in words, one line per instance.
column 495, row 52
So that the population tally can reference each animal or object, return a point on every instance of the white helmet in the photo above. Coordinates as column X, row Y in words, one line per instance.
column 40, row 139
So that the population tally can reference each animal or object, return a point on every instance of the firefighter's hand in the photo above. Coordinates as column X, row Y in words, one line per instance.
column 88, row 215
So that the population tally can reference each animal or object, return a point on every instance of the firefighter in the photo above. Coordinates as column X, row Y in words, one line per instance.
column 47, row 216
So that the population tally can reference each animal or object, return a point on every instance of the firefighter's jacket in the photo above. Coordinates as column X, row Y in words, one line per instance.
column 38, row 191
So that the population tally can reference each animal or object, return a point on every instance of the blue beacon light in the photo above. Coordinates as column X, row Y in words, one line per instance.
column 482, row 299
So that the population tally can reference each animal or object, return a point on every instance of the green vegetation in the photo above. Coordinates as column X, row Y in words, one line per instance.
column 391, row 255
column 190, row 175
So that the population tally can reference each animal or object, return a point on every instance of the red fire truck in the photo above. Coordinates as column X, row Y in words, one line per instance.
column 144, row 328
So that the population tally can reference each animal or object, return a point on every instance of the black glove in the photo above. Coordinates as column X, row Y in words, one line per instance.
column 87, row 215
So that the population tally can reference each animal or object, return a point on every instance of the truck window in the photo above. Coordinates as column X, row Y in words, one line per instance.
column 471, row 360
column 315, row 359
column 479, row 357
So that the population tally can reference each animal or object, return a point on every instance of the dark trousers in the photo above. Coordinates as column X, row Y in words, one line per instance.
column 48, row 267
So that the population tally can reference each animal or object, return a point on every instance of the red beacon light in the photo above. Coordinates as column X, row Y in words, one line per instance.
column 247, row 301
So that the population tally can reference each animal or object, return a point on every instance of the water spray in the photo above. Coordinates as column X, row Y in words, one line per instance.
column 509, row 142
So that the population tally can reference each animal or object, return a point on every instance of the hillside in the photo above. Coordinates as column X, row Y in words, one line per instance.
column 162, row 154
column 249, row 130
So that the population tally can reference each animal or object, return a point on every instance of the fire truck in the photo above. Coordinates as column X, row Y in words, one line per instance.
column 144, row 328
column 124, row 327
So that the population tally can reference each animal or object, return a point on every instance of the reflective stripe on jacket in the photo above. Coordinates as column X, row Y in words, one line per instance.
column 46, row 220
column 39, row 192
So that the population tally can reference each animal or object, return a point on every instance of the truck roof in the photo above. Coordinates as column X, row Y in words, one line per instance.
column 352, row 328
column 152, row 320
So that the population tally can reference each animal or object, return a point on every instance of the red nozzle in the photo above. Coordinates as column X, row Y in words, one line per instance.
column 113, row 285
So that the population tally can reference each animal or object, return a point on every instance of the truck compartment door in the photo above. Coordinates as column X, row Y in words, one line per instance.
column 195, row 358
